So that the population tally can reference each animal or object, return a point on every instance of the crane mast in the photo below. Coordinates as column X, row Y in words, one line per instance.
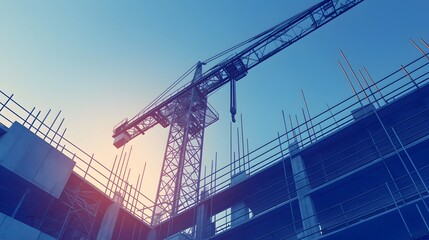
column 188, row 113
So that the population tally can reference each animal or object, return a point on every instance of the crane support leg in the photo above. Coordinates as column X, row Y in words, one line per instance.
column 179, row 181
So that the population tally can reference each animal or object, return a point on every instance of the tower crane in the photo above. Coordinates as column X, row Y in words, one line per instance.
column 187, row 112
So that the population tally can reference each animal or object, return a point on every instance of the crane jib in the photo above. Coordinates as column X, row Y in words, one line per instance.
column 263, row 47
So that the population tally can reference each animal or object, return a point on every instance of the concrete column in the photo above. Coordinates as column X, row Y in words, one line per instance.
column 152, row 234
column 306, row 206
column 205, row 228
column 239, row 211
column 109, row 222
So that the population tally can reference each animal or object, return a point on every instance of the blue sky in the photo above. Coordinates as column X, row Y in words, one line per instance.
column 102, row 61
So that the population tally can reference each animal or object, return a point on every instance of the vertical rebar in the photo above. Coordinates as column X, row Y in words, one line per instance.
column 126, row 188
column 424, row 54
column 61, row 138
column 355, row 76
column 29, row 115
column 141, row 180
column 308, row 112
column 231, row 162
column 34, row 120
column 368, row 87
column 306, row 125
column 238, row 150
column 332, row 115
column 350, row 83
column 215, row 172
column 52, row 124
column 56, row 132
column 409, row 76
column 299, row 128
column 4, row 104
column 89, row 165
column 110, row 175
column 118, row 175
column 242, row 142
column 423, row 41
column 134, row 202
column 373, row 83
column 291, row 127
column 285, row 126
column 204, row 178
column 43, row 121
column 211, row 178
column 248, row 155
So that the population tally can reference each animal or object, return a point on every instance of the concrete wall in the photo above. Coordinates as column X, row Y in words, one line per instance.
column 11, row 229
column 25, row 154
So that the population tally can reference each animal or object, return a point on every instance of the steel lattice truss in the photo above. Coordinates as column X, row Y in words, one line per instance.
column 179, row 181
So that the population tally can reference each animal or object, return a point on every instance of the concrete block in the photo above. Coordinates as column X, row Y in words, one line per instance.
column 31, row 158
column 54, row 172
column 9, row 140
column 12, row 229
column 179, row 236
column 44, row 236
column 3, row 129
column 239, row 211
column 2, row 217
column 363, row 111
column 238, row 178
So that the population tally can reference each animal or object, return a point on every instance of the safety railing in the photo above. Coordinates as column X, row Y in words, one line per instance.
column 89, row 168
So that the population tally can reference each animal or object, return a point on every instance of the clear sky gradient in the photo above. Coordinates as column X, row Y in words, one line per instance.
column 102, row 61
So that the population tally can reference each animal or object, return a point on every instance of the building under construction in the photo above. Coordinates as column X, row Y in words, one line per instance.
column 355, row 171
